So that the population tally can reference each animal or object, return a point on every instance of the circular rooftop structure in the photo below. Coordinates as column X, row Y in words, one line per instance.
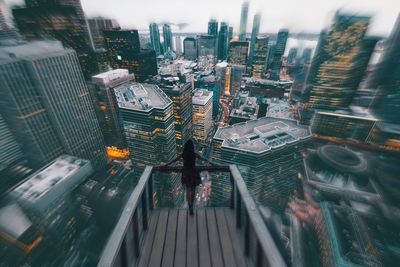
column 342, row 159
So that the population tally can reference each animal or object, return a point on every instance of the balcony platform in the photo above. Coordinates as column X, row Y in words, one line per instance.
column 207, row 238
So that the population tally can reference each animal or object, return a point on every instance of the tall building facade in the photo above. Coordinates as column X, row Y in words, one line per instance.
column 7, row 29
column 267, row 152
column 13, row 166
column 155, row 38
column 306, row 56
column 387, row 80
column 331, row 82
column 230, row 78
column 10, row 152
column 213, row 27
column 254, row 33
column 37, row 20
column 124, row 51
column 237, row 53
column 276, row 61
column 292, row 55
column 259, row 63
column 223, row 41
column 178, row 45
column 190, row 48
column 211, row 83
column 202, row 115
column 147, row 118
column 230, row 33
column 343, row 125
column 46, row 103
column 103, row 88
column 167, row 35
column 206, row 51
column 243, row 21
column 96, row 27
column 181, row 96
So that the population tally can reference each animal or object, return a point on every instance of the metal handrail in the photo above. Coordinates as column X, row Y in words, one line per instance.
column 267, row 253
column 115, row 242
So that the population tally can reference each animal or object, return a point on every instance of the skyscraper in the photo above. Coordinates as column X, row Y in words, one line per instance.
column 258, row 67
column 103, row 87
column 254, row 33
column 155, row 38
column 202, row 114
column 237, row 53
column 147, row 118
column 231, row 78
column 276, row 63
column 331, row 82
column 10, row 152
column 45, row 102
column 387, row 80
column 306, row 56
column 96, row 27
column 167, row 35
column 267, row 152
column 12, row 163
column 211, row 83
column 190, row 48
column 178, row 45
column 181, row 96
column 292, row 55
column 7, row 29
column 213, row 27
column 223, row 41
column 206, row 51
column 243, row 21
column 119, row 41
column 62, row 20
column 230, row 33
column 123, row 47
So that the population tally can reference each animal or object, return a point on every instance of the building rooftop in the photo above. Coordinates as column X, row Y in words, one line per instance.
column 339, row 170
column 23, row 49
column 278, row 108
column 138, row 96
column 255, row 81
column 112, row 77
column 245, row 107
column 261, row 135
column 201, row 97
column 41, row 182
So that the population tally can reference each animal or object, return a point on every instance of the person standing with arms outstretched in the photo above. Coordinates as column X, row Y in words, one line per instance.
column 190, row 176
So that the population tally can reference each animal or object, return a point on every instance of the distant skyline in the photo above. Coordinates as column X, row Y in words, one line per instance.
column 297, row 16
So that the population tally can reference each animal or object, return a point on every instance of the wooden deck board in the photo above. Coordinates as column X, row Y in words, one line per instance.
column 204, row 248
column 148, row 244
column 159, row 239
column 207, row 238
column 180, row 251
column 213, row 237
column 237, row 251
column 192, row 242
column 170, row 242
column 225, row 239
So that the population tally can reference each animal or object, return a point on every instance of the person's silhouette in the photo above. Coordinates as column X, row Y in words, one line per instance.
column 190, row 176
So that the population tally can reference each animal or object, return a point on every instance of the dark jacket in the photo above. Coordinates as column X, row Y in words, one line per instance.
column 190, row 176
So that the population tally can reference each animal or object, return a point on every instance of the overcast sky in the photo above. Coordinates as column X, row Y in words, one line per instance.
column 297, row 15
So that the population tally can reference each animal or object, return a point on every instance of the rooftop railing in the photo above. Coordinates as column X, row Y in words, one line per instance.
column 124, row 244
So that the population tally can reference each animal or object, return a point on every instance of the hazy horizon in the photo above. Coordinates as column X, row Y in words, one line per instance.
column 298, row 16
